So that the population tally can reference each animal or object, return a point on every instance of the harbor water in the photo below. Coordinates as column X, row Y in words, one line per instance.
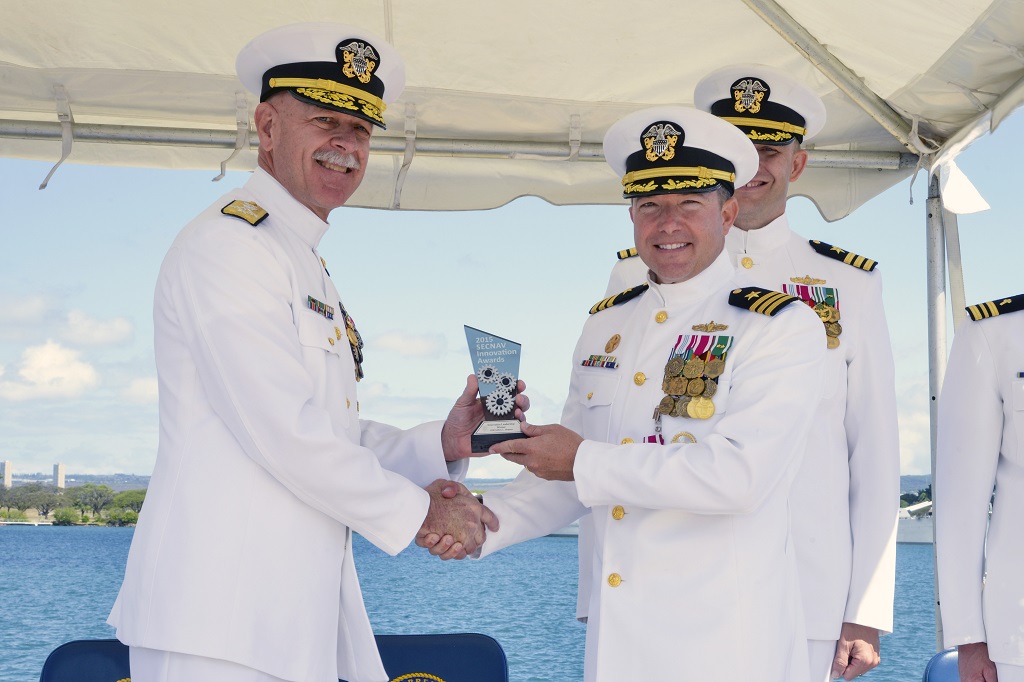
column 57, row 584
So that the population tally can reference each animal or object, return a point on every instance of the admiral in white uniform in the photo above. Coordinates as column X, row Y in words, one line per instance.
column 241, row 567
column 981, row 447
column 688, row 409
column 846, row 495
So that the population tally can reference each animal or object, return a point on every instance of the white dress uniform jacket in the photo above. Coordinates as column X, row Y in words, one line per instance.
column 981, row 444
column 694, row 574
column 243, row 549
column 845, row 498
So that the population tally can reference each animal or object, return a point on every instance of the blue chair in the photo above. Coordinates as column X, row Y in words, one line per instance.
column 942, row 667
column 450, row 658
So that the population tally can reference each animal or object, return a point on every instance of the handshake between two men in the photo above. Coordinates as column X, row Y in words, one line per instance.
column 457, row 522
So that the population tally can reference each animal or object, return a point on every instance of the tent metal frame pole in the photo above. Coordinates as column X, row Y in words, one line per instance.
column 227, row 139
column 936, row 255
column 836, row 71
column 954, row 265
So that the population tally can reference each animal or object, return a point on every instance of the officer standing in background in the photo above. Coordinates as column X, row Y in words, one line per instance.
column 687, row 413
column 981, row 446
column 845, row 498
column 258, row 360
column 846, row 495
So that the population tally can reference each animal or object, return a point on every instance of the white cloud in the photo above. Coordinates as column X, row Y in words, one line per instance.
column 412, row 345
column 21, row 319
column 89, row 331
column 141, row 391
column 49, row 371
column 28, row 309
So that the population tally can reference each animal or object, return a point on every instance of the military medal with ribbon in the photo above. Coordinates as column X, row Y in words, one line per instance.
column 823, row 300
column 691, row 376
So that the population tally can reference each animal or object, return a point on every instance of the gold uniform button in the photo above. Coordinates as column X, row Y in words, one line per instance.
column 337, row 333
column 348, row 403
column 627, row 441
column 614, row 579
column 590, row 395
column 330, row 340
column 747, row 262
column 661, row 316
column 618, row 512
column 639, row 378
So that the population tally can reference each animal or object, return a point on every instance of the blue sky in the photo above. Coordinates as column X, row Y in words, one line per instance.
column 78, row 263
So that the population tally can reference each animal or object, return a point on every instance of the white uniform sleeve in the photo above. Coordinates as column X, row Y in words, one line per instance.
column 872, row 434
column 776, row 382
column 233, row 301
column 414, row 453
column 969, row 436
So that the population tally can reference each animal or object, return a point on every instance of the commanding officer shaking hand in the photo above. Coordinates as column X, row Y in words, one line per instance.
column 258, row 359
column 981, row 446
column 688, row 409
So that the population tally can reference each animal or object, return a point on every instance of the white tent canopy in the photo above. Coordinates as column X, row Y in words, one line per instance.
column 513, row 99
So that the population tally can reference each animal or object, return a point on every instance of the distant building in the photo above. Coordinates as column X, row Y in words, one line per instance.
column 58, row 476
column 6, row 471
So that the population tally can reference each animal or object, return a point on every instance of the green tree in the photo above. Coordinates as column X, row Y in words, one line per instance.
column 91, row 496
column 130, row 499
column 46, row 500
column 66, row 516
column 21, row 498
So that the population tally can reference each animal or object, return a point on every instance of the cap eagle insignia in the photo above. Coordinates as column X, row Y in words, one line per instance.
column 748, row 93
column 660, row 141
column 359, row 61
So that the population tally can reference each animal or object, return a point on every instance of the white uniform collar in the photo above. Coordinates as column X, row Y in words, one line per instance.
column 286, row 210
column 768, row 238
column 712, row 279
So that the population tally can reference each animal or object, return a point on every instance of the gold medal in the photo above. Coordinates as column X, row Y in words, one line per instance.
column 714, row 368
column 612, row 344
column 677, row 386
column 681, row 407
column 674, row 366
column 694, row 368
column 824, row 312
column 666, row 405
column 695, row 387
column 832, row 341
column 833, row 328
column 701, row 408
column 710, row 389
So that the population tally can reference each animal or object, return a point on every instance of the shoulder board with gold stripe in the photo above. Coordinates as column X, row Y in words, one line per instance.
column 621, row 297
column 842, row 255
column 249, row 211
column 764, row 301
column 1000, row 306
column 627, row 253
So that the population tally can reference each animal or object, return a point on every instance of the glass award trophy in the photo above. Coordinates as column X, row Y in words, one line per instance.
column 496, row 364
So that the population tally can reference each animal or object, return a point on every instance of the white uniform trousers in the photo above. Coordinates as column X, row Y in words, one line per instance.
column 821, row 653
column 1010, row 673
column 153, row 665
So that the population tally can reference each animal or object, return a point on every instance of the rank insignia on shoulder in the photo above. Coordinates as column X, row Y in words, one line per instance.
column 249, row 211
column 1000, row 306
column 621, row 297
column 764, row 301
column 627, row 253
column 842, row 255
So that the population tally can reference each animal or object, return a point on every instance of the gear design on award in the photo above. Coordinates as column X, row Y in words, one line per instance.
column 507, row 382
column 487, row 374
column 500, row 402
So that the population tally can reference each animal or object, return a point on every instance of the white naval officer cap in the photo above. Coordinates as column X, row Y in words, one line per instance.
column 334, row 66
column 677, row 150
column 767, row 105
